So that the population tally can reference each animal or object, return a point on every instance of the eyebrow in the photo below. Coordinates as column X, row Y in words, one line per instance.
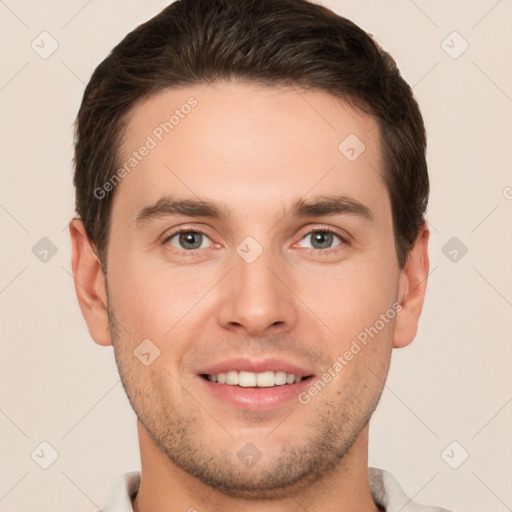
column 319, row 207
column 332, row 205
column 168, row 206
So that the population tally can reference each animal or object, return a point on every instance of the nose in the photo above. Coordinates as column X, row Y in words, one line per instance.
column 256, row 299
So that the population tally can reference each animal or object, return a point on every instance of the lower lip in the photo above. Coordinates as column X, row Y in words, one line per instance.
column 257, row 399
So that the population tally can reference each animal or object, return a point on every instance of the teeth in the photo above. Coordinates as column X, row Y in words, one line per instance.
column 265, row 379
column 232, row 378
column 250, row 379
column 280, row 378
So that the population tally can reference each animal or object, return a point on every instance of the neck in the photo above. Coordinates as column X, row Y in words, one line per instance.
column 166, row 487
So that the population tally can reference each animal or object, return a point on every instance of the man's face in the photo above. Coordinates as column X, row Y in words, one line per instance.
column 256, row 282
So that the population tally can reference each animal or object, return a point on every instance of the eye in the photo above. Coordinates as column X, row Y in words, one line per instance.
column 321, row 239
column 188, row 240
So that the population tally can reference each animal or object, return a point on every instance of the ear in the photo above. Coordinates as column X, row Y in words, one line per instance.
column 411, row 290
column 89, row 283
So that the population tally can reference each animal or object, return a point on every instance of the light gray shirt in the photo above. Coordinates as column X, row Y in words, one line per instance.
column 386, row 493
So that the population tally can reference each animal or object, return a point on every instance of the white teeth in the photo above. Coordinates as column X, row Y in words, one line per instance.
column 265, row 379
column 232, row 378
column 246, row 379
column 250, row 379
column 280, row 378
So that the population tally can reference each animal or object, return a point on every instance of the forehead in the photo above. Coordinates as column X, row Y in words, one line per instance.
column 247, row 145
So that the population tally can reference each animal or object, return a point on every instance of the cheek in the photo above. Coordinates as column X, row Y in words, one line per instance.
column 350, row 297
column 153, row 301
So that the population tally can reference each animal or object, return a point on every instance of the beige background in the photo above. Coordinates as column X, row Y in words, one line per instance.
column 452, row 384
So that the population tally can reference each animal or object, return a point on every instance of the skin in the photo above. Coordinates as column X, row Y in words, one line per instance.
column 253, row 151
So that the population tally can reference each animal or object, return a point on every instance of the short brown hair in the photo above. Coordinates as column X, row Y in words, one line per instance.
column 281, row 42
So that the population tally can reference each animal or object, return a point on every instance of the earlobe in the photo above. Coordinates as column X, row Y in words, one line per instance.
column 411, row 292
column 89, row 283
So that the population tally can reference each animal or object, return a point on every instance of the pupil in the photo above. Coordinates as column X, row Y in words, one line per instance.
column 322, row 239
column 190, row 240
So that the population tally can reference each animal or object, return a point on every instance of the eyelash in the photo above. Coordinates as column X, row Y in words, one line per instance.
column 343, row 240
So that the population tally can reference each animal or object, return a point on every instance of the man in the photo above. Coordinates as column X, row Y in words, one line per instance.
column 251, row 186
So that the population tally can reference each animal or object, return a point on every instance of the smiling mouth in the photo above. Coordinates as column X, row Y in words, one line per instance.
column 254, row 380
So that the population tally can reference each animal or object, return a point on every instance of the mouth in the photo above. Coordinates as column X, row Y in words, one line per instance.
column 245, row 379
column 255, row 385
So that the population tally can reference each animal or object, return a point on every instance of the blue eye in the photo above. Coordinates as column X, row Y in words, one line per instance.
column 322, row 239
column 189, row 240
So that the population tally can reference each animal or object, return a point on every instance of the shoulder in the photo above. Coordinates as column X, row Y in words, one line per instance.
column 125, row 488
column 388, row 494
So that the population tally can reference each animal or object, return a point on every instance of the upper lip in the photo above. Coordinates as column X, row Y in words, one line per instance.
column 255, row 366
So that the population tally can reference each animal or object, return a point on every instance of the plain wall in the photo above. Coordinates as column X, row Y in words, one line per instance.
column 452, row 384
